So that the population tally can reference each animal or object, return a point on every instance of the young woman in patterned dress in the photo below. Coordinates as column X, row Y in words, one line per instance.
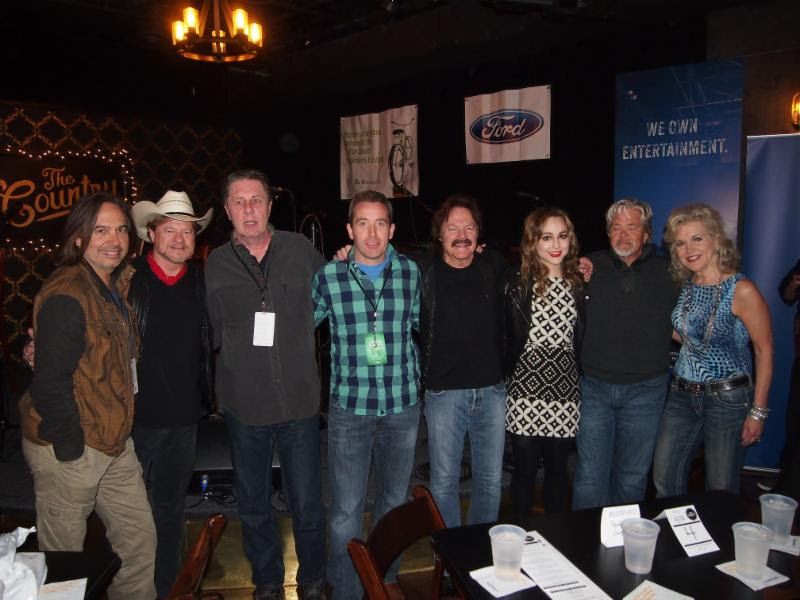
column 544, row 319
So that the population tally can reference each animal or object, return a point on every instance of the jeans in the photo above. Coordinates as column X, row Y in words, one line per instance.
column 112, row 486
column 713, row 420
column 390, row 441
column 251, row 453
column 616, row 437
column 450, row 415
column 167, row 458
column 529, row 450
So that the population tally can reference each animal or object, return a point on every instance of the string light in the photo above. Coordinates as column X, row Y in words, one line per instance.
column 119, row 158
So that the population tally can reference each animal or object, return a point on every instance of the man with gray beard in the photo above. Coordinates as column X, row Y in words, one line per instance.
column 624, row 358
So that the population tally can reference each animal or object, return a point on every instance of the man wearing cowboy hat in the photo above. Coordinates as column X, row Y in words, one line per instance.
column 175, row 365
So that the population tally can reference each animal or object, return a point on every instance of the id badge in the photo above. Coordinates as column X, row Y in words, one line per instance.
column 135, row 378
column 264, row 329
column 376, row 349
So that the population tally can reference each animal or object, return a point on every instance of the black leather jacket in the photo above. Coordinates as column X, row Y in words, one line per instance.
column 138, row 296
column 517, row 319
column 491, row 265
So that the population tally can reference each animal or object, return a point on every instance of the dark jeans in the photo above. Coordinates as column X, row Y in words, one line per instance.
column 616, row 437
column 354, row 443
column 528, row 452
column 710, row 419
column 167, row 458
column 251, row 453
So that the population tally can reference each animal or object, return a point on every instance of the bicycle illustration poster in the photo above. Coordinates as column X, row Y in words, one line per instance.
column 378, row 151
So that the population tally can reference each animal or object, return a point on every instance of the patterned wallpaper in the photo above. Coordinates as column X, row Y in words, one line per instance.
column 179, row 155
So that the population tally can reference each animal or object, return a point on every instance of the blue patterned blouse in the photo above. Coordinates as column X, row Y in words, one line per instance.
column 715, row 341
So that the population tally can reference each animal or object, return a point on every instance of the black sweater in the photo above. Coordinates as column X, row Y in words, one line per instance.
column 628, row 328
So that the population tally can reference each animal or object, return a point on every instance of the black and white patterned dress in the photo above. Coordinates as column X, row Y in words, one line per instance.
column 544, row 393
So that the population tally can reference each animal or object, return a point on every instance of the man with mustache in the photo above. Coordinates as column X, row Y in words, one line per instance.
column 462, row 360
column 624, row 358
column 465, row 392
column 78, row 412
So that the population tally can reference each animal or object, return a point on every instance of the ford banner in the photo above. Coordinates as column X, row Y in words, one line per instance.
column 508, row 126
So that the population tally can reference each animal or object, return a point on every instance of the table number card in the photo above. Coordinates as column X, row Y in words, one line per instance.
column 689, row 530
column 611, row 523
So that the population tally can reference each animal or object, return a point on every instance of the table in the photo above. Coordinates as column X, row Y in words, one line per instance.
column 577, row 536
column 98, row 564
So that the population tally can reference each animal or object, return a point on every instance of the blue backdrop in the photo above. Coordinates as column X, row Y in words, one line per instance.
column 678, row 138
column 770, row 248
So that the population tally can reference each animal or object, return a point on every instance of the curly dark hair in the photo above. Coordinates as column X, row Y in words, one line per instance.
column 533, row 272
column 451, row 202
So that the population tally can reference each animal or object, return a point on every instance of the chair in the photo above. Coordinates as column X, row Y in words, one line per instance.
column 187, row 584
column 397, row 530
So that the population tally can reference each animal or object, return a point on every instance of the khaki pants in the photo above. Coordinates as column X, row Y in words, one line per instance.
column 67, row 492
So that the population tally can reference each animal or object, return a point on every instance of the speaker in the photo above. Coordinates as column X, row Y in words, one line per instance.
column 213, row 467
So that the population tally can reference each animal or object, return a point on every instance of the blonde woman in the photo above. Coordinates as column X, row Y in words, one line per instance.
column 713, row 399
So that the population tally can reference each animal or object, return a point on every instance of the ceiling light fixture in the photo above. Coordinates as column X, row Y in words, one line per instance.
column 191, row 39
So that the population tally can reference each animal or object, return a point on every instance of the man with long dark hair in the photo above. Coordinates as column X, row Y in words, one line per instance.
column 78, row 413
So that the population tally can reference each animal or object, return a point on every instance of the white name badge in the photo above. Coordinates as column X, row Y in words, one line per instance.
column 611, row 523
column 134, row 377
column 689, row 530
column 264, row 329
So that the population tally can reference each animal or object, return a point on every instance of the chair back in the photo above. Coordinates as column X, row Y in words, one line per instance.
column 187, row 584
column 397, row 530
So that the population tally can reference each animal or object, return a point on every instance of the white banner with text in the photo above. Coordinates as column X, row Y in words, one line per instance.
column 378, row 151
column 508, row 126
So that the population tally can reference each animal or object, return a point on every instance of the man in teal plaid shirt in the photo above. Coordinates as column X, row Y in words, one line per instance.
column 371, row 301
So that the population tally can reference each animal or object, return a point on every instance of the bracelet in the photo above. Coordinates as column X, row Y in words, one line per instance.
column 758, row 413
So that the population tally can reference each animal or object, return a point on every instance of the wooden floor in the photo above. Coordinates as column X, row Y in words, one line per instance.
column 229, row 572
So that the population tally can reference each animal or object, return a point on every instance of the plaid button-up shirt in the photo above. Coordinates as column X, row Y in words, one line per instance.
column 355, row 306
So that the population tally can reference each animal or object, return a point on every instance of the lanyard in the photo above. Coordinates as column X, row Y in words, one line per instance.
column 259, row 278
column 375, row 302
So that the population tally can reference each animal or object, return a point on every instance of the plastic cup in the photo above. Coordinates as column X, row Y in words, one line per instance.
column 777, row 513
column 639, row 537
column 507, row 542
column 752, row 549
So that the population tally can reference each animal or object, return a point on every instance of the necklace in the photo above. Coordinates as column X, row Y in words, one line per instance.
column 687, row 306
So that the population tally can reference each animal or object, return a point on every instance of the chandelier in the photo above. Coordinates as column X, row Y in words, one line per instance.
column 192, row 40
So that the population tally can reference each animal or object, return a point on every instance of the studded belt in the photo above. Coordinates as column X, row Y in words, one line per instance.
column 715, row 385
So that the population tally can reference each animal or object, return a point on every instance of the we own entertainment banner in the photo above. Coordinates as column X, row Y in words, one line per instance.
column 378, row 151
column 678, row 138
column 770, row 249
column 508, row 126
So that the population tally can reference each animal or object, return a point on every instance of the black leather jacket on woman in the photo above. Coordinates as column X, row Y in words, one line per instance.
column 139, row 297
column 517, row 316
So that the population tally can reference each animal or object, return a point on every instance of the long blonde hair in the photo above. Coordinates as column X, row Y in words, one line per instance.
column 728, row 258
column 534, row 272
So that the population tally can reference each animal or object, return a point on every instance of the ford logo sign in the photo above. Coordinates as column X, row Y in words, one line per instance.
column 506, row 125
